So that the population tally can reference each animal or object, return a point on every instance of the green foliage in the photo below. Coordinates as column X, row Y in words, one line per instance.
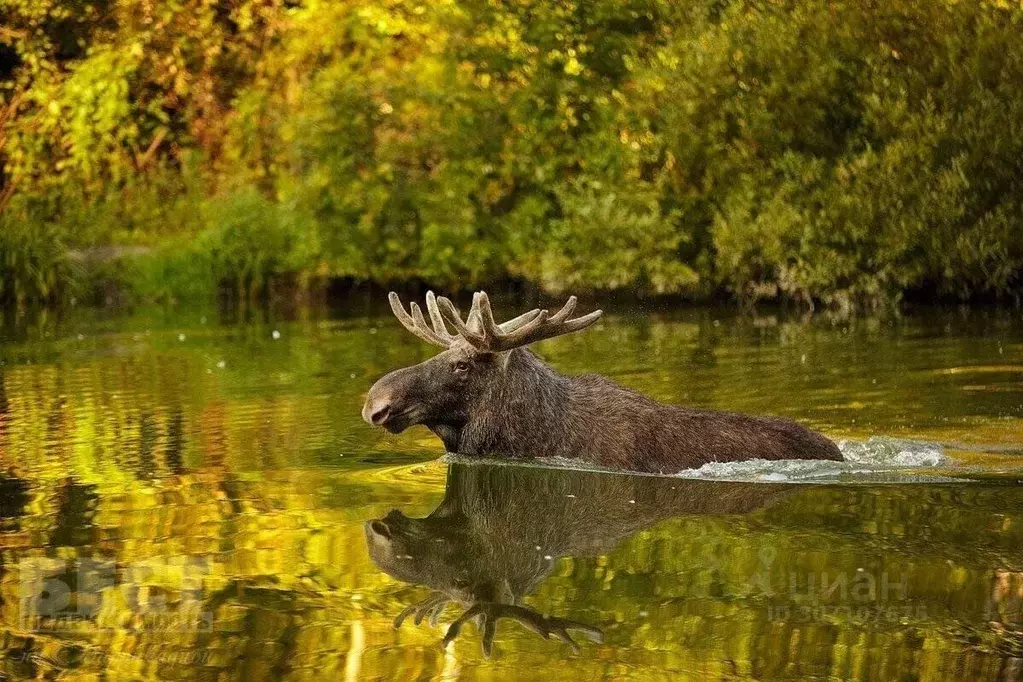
column 176, row 270
column 34, row 263
column 815, row 151
column 250, row 240
column 613, row 237
column 859, row 156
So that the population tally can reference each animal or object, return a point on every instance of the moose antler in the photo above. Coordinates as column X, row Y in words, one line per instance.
column 415, row 323
column 480, row 330
column 488, row 613
column 485, row 334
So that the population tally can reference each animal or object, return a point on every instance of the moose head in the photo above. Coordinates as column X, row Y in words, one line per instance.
column 483, row 365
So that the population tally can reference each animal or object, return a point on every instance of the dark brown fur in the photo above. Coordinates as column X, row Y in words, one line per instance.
column 512, row 404
column 595, row 419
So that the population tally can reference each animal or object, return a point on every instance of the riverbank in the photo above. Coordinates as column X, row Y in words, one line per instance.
column 253, row 264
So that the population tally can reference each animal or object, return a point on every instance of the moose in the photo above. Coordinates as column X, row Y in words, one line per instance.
column 500, row 530
column 486, row 394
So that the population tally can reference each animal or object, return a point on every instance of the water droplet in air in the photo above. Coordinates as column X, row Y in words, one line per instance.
column 276, row 334
column 181, row 337
column 221, row 364
column 632, row 501
column 81, row 337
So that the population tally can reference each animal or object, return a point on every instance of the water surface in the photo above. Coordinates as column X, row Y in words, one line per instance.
column 186, row 495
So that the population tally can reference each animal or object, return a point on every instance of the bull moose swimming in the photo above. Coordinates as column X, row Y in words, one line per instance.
column 487, row 394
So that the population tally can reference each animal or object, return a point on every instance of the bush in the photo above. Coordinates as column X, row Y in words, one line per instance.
column 34, row 261
column 249, row 241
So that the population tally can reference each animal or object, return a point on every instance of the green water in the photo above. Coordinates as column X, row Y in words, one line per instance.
column 185, row 495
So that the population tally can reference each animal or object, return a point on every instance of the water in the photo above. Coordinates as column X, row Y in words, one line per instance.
column 187, row 496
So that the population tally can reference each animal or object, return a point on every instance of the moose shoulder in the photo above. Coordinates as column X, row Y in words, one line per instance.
column 487, row 394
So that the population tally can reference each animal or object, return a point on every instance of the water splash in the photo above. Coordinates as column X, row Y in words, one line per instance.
column 876, row 459
column 897, row 452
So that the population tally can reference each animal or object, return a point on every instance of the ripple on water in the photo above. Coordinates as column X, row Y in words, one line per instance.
column 878, row 459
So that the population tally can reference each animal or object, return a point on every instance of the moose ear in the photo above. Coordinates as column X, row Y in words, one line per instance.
column 447, row 507
column 505, row 595
column 499, row 358
column 496, row 591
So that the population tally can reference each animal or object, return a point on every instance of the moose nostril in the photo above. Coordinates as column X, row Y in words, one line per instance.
column 380, row 528
column 379, row 414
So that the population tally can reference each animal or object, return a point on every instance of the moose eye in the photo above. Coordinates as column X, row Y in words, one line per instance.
column 461, row 367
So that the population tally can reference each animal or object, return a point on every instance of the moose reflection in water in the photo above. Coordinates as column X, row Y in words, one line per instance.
column 500, row 530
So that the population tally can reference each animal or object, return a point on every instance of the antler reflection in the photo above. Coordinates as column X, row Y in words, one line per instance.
column 485, row 616
column 432, row 606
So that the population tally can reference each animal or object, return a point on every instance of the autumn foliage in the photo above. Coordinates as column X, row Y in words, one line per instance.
column 836, row 151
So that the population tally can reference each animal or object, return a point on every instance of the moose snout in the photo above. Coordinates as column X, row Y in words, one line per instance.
column 377, row 408
column 392, row 401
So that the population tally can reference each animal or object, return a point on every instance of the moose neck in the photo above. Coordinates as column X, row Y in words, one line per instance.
column 522, row 416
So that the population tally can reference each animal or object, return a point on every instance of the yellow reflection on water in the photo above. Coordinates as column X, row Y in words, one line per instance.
column 166, row 517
